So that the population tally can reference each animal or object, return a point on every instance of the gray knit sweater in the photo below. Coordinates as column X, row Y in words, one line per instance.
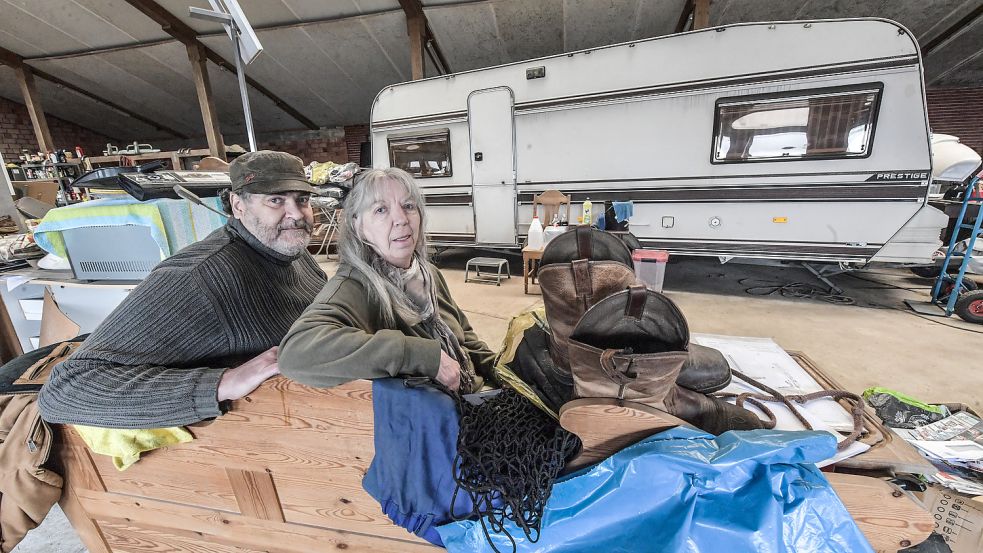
column 157, row 359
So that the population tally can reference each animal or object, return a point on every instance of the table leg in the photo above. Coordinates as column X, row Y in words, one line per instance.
column 525, row 274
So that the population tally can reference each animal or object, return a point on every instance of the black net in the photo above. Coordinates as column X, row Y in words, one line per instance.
column 509, row 454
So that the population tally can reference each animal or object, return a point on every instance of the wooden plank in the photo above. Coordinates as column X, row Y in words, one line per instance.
column 889, row 518
column 70, row 463
column 416, row 28
column 25, row 78
column 87, row 529
column 256, row 494
column 334, row 503
column 701, row 14
column 190, row 484
column 236, row 530
column 203, row 87
column 134, row 539
column 684, row 16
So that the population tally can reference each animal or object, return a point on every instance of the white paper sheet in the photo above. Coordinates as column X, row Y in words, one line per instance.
column 16, row 280
column 765, row 361
column 32, row 309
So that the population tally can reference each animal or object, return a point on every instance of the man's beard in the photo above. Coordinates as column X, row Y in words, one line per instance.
column 280, row 238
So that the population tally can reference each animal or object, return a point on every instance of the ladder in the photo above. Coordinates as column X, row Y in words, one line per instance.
column 973, row 196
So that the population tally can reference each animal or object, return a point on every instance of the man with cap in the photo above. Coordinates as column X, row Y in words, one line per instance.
column 202, row 328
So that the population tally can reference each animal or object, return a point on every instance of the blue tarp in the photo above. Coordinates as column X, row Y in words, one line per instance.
column 684, row 490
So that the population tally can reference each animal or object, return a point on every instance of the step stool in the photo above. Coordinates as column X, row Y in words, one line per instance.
column 477, row 263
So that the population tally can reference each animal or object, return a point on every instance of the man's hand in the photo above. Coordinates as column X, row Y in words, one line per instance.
column 245, row 378
column 449, row 373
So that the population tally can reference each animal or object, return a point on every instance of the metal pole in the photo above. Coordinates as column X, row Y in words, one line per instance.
column 243, row 91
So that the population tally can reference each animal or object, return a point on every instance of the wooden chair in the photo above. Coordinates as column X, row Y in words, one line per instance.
column 551, row 201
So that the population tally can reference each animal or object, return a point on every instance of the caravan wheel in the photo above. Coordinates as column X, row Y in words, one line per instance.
column 969, row 307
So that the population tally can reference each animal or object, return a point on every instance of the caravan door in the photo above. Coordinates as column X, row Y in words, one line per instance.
column 490, row 122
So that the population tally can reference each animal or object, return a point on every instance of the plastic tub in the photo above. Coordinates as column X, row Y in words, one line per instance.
column 650, row 267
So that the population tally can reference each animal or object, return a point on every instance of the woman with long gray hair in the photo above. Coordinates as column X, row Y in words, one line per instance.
column 387, row 311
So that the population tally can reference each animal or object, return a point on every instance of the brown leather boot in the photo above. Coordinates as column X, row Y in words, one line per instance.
column 579, row 268
column 582, row 267
column 632, row 345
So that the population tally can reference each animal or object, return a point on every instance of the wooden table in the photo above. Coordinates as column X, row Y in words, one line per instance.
column 530, row 258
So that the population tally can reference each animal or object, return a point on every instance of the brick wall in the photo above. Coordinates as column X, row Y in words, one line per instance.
column 328, row 144
column 17, row 133
column 957, row 111
column 354, row 136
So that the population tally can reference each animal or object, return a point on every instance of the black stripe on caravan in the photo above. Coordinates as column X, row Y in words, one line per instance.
column 797, row 251
column 449, row 199
column 456, row 238
column 839, row 193
column 866, row 174
column 736, row 80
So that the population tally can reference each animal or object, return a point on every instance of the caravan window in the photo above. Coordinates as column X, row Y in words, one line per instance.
column 803, row 125
column 422, row 155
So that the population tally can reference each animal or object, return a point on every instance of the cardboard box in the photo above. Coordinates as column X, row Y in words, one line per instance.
column 45, row 191
column 958, row 518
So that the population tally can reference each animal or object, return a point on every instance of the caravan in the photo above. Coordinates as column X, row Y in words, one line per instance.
column 793, row 140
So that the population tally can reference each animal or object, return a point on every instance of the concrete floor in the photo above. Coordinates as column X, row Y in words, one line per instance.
column 875, row 342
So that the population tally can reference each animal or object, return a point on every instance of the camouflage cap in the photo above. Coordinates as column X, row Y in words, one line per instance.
column 268, row 172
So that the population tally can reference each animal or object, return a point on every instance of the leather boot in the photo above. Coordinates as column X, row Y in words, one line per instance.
column 579, row 268
column 632, row 345
column 583, row 266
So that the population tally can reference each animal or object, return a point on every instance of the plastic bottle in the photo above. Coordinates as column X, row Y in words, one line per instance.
column 588, row 218
column 535, row 241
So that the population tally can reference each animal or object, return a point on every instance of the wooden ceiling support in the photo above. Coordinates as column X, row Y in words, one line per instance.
column 684, row 16
column 701, row 14
column 181, row 31
column 422, row 41
column 25, row 78
column 203, row 88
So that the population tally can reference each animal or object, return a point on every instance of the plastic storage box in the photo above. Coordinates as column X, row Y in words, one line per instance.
column 650, row 267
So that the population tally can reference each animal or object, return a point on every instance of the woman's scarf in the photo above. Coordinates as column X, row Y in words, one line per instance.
column 414, row 297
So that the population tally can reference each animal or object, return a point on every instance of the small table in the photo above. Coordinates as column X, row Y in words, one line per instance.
column 530, row 265
column 477, row 263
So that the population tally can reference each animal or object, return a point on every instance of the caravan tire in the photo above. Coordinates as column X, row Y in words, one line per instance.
column 969, row 307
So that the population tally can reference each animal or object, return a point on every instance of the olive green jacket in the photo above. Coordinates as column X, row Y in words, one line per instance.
column 340, row 337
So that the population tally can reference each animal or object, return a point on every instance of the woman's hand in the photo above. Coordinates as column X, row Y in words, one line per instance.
column 449, row 373
column 245, row 378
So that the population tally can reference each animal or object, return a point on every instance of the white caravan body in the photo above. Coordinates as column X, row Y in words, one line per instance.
column 789, row 140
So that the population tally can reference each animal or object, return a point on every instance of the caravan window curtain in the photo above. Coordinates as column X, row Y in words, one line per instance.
column 422, row 155
column 826, row 123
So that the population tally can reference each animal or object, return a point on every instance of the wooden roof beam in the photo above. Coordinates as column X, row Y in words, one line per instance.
column 14, row 60
column 701, row 14
column 684, row 17
column 181, row 31
column 422, row 41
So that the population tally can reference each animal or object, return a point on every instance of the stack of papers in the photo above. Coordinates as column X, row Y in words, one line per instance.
column 955, row 446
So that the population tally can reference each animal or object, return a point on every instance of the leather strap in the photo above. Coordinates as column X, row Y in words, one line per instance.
column 581, row 279
column 584, row 248
column 611, row 369
column 637, row 294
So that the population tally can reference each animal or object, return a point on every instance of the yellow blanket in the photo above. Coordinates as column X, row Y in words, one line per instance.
column 125, row 446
